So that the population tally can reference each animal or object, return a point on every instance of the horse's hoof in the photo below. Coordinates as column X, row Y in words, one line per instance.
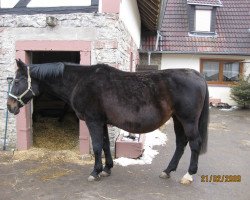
column 164, row 175
column 187, row 179
column 92, row 178
column 104, row 174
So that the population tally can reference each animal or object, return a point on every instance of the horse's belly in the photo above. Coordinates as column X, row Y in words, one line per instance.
column 146, row 119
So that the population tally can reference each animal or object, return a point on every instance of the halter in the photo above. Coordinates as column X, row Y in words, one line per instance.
column 19, row 98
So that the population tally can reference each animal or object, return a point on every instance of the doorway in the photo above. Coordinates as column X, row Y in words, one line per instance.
column 55, row 125
column 24, row 118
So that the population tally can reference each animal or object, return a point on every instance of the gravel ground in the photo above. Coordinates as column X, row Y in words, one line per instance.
column 228, row 154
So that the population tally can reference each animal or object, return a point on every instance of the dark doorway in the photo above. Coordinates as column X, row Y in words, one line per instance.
column 55, row 125
column 55, row 56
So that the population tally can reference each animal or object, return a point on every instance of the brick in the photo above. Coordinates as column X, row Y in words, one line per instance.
column 129, row 149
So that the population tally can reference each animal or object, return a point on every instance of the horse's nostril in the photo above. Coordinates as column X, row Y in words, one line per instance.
column 9, row 107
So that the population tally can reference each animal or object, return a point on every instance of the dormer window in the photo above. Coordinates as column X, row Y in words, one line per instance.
column 202, row 16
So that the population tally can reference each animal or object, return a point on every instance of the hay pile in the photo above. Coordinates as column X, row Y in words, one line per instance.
column 50, row 156
column 56, row 144
column 47, row 164
column 50, row 134
column 46, row 156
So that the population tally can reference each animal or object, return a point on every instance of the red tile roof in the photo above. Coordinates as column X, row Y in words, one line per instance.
column 232, row 30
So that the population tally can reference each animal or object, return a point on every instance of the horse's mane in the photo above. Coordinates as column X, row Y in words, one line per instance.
column 54, row 70
column 47, row 70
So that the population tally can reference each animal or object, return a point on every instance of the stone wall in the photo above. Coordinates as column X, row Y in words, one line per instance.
column 111, row 44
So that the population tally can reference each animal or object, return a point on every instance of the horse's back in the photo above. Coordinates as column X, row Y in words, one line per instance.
column 143, row 101
column 139, row 101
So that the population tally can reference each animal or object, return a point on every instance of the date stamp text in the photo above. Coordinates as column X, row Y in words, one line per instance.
column 220, row 178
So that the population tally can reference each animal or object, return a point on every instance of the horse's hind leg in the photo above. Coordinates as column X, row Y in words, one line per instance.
column 192, row 133
column 181, row 142
column 106, row 148
column 96, row 133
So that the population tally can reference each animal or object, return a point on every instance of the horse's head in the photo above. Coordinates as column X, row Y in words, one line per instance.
column 23, row 90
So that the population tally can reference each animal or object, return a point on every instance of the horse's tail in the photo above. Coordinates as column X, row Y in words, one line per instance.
column 203, row 123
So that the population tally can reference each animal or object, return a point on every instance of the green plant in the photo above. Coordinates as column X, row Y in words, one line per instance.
column 240, row 92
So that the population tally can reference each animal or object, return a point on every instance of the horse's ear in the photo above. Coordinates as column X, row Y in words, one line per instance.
column 20, row 64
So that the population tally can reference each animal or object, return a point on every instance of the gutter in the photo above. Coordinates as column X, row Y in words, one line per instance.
column 205, row 4
column 197, row 53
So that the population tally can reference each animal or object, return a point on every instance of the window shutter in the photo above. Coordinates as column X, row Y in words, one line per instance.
column 213, row 20
column 191, row 17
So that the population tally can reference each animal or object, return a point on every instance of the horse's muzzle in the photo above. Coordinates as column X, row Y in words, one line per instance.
column 13, row 106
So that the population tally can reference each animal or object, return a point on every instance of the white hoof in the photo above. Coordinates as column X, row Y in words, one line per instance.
column 104, row 174
column 92, row 178
column 187, row 179
column 164, row 175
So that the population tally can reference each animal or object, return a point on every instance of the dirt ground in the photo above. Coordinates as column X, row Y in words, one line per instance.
column 49, row 175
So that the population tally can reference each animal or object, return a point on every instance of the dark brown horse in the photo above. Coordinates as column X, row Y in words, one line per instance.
column 137, row 102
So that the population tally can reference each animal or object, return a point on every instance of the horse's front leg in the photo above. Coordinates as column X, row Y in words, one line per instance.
column 106, row 148
column 96, row 133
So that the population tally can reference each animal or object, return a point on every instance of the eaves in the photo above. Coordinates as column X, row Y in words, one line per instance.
column 198, row 53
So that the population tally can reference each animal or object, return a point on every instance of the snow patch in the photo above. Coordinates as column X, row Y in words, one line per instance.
column 230, row 109
column 152, row 139
column 126, row 136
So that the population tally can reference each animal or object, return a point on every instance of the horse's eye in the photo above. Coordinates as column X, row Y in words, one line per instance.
column 16, row 81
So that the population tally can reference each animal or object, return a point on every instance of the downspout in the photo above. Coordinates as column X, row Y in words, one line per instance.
column 157, row 40
column 149, row 57
column 159, row 25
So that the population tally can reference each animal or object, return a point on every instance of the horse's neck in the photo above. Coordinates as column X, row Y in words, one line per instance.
column 61, row 87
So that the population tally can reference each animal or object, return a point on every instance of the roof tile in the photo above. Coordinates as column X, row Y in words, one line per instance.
column 232, row 35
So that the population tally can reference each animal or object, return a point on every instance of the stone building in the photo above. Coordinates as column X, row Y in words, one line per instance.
column 88, row 32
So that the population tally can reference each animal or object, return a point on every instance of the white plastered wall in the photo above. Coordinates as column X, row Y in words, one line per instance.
column 130, row 16
column 193, row 62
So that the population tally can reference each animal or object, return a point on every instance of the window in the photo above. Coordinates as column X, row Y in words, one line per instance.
column 211, row 70
column 231, row 71
column 203, row 20
column 218, row 71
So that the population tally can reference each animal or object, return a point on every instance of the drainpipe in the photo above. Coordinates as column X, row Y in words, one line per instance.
column 157, row 40
column 149, row 58
column 9, row 80
column 160, row 41
column 163, row 5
